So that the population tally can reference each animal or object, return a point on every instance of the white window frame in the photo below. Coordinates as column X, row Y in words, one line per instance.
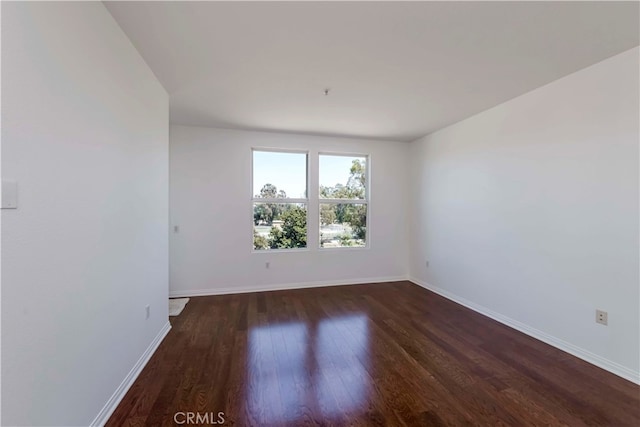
column 305, row 201
column 366, row 201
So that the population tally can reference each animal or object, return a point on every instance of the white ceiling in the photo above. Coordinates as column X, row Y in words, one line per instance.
column 397, row 70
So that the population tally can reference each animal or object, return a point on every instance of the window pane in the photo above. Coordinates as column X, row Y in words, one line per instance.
column 279, row 226
column 342, row 177
column 279, row 175
column 343, row 224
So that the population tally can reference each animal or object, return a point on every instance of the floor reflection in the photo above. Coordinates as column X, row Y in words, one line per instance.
column 297, row 368
column 277, row 359
column 341, row 352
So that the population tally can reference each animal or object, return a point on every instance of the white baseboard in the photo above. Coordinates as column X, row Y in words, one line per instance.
column 282, row 287
column 594, row 359
column 111, row 405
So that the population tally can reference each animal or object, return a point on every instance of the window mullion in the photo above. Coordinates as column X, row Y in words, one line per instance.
column 278, row 200
column 344, row 201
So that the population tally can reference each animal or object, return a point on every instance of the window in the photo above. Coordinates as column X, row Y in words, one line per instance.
column 279, row 200
column 343, row 203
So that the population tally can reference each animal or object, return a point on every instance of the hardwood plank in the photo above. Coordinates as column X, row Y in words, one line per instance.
column 385, row 354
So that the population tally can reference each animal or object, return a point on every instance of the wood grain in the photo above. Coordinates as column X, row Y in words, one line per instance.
column 386, row 354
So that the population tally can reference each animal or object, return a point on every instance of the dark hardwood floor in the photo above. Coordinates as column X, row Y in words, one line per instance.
column 380, row 354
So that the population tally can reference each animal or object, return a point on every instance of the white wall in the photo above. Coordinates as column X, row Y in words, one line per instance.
column 0, row 221
column 85, row 134
column 529, row 212
column 211, row 203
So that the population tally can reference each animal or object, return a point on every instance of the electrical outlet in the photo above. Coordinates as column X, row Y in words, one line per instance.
column 176, row 229
column 426, row 263
column 602, row 317
column 147, row 311
column 267, row 264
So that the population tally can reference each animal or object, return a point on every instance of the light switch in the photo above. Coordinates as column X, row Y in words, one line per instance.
column 9, row 195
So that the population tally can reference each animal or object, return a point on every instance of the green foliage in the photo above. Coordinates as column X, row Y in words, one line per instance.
column 356, row 216
column 293, row 233
column 358, row 175
column 263, row 213
column 259, row 242
column 355, row 188
column 345, row 240
column 268, row 212
column 327, row 214
column 268, row 191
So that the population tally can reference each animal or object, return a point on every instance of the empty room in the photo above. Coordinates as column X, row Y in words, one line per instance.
column 320, row 213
